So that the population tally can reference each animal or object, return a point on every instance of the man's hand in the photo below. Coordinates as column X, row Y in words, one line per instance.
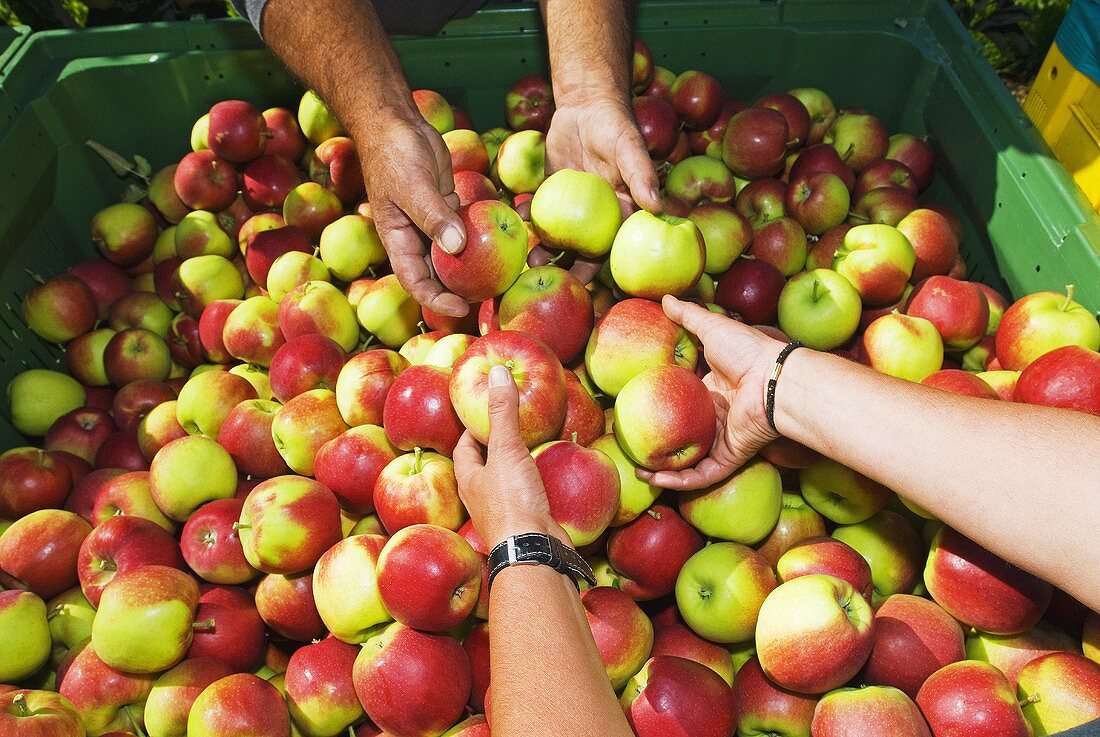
column 411, row 188
column 502, row 489
column 740, row 359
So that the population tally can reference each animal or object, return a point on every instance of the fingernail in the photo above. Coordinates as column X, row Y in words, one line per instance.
column 498, row 376
column 450, row 240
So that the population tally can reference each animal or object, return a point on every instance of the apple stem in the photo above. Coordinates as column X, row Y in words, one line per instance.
column 368, row 342
column 813, row 294
column 1070, row 289
column 654, row 514
column 20, row 702
column 573, row 436
column 351, row 731
column 418, row 454
column 35, row 276
column 1032, row 699
column 133, row 722
column 554, row 261
column 206, row 624
column 422, row 326
column 857, row 216
column 241, row 526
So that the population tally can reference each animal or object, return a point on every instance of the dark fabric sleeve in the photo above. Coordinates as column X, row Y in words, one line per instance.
column 253, row 10
column 1089, row 729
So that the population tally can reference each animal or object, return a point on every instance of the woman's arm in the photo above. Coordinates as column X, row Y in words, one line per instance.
column 547, row 677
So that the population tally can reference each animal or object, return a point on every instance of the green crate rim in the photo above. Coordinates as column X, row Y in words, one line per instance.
column 11, row 38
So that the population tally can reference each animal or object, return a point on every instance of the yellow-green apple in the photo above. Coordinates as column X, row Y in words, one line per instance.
column 447, row 350
column 726, row 234
column 761, row 201
column 305, row 362
column 700, row 178
column 435, row 109
column 815, row 633
column 412, row 682
column 303, row 425
column 1039, row 323
column 294, row 269
column 188, row 472
column 885, row 173
column 467, row 150
column 335, row 166
column 763, row 708
column 649, row 552
column 246, row 435
column 319, row 689
column 551, row 304
column 351, row 463
column 536, row 371
column 207, row 399
column 664, row 418
column 140, row 309
column 750, row 288
column 654, row 255
column 212, row 548
column 870, row 710
column 914, row 638
column 884, row 206
column 26, row 632
column 979, row 588
column 877, row 260
column 622, row 632
column 520, row 162
column 286, row 605
column 582, row 488
column 755, row 143
column 428, row 577
column 174, row 693
column 676, row 696
column 492, row 139
column 841, row 494
column 818, row 201
column 782, row 243
column 162, row 194
column 35, row 713
column 266, row 181
column 317, row 307
column 311, row 207
column 635, row 495
column 266, row 246
column 891, row 547
column 199, row 234
column 915, row 153
column 859, row 138
column 131, row 495
column 144, row 620
column 345, row 588
column 120, row 544
column 495, row 252
column 797, row 521
column 961, row 382
column 720, row 590
column 416, row 347
column 743, row 508
column 84, row 356
column 824, row 555
column 39, row 552
column 228, row 628
column 1067, row 377
column 677, row 640
column 471, row 186
column 240, row 705
column 1010, row 653
column 363, row 384
column 61, row 308
column 206, row 279
column 658, row 124
column 388, row 312
column 211, row 324
column 417, row 488
column 957, row 309
column 350, row 247
column 971, row 698
column 236, row 130
column 251, row 333
column 418, row 410
column 1059, row 691
column 821, row 110
column 576, row 211
column 134, row 354
column 904, row 346
column 256, row 376
column 635, row 335
column 317, row 122
column 106, row 699
column 1002, row 382
column 584, row 418
column 124, row 234
column 158, row 428
column 819, row 308
column 934, row 242
column 287, row 523
column 997, row 307
column 70, row 617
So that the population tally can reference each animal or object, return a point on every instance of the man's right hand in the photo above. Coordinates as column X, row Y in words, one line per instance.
column 407, row 168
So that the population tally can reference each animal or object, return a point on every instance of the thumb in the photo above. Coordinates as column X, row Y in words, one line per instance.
column 430, row 212
column 504, row 437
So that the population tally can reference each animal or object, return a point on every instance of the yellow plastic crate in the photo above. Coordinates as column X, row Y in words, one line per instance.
column 1064, row 104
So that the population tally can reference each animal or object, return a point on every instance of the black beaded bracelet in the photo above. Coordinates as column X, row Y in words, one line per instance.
column 769, row 392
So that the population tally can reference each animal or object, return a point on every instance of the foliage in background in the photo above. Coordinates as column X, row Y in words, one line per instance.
column 1014, row 34
column 43, row 14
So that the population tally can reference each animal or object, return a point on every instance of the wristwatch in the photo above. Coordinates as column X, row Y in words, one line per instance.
column 535, row 548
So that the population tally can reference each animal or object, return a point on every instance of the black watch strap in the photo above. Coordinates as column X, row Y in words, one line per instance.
column 535, row 548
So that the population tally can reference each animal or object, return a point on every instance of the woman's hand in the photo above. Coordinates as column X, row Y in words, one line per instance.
column 502, row 489
column 740, row 359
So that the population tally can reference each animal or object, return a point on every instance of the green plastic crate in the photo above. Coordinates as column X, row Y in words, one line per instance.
column 11, row 38
column 137, row 89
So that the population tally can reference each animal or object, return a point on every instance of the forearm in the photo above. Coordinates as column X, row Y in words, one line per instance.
column 340, row 49
column 590, row 48
column 1018, row 479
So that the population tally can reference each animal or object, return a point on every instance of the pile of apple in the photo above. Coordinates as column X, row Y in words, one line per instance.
column 244, row 519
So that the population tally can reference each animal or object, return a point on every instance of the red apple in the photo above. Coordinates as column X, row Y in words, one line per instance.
column 364, row 382
column 750, row 289
column 418, row 488
column 471, row 186
column 677, row 640
column 762, row 200
column 212, row 547
column 664, row 418
column 120, row 544
column 827, row 556
column 418, row 410
column 582, row 488
column 584, row 417
column 287, row 523
column 696, row 98
column 868, row 712
column 228, row 628
column 205, row 181
column 958, row 309
column 80, row 432
column 658, row 123
column 60, row 309
column 781, row 243
column 286, row 137
column 551, row 304
column 650, row 551
column 764, row 708
column 305, row 362
column 1039, row 323
column 240, row 704
column 237, row 131
column 1067, row 377
column 755, row 143
column 916, row 154
column 674, row 697
column 973, row 699
column 821, row 157
column 961, row 382
column 798, row 117
column 39, row 552
column 125, row 233
column 105, row 698
column 350, row 463
column 287, row 606
column 914, row 638
column 335, row 165
column 319, row 688
column 885, row 173
column 622, row 632
column 267, row 180
column 32, row 479
column 246, row 434
column 529, row 103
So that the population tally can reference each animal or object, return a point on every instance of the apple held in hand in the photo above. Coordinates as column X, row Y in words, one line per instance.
column 720, row 590
column 819, row 308
column 582, row 488
column 675, row 696
column 743, row 508
column 654, row 255
column 538, row 375
column 576, row 211
column 287, row 523
column 664, row 419
column 495, row 253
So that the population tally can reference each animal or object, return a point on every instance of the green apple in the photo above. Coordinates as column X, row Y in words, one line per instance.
column 25, row 634
column 841, row 494
column 206, row 279
column 388, row 312
column 70, row 617
column 720, row 590
column 492, row 139
column 635, row 495
column 200, row 133
column 37, row 397
column 293, row 269
column 189, row 472
column 206, row 399
column 576, row 211
column 256, row 376
column 521, row 161
column 891, row 547
column 726, row 234
column 350, row 246
column 316, row 120
column 744, row 508
column 655, row 255
column 447, row 350
column 145, row 618
column 904, row 346
column 199, row 234
column 819, row 308
column 345, row 588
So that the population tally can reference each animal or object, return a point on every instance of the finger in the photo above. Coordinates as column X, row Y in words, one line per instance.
column 467, row 458
column 429, row 211
column 504, row 437
column 406, row 251
column 636, row 170
column 693, row 317
column 585, row 270
column 706, row 473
